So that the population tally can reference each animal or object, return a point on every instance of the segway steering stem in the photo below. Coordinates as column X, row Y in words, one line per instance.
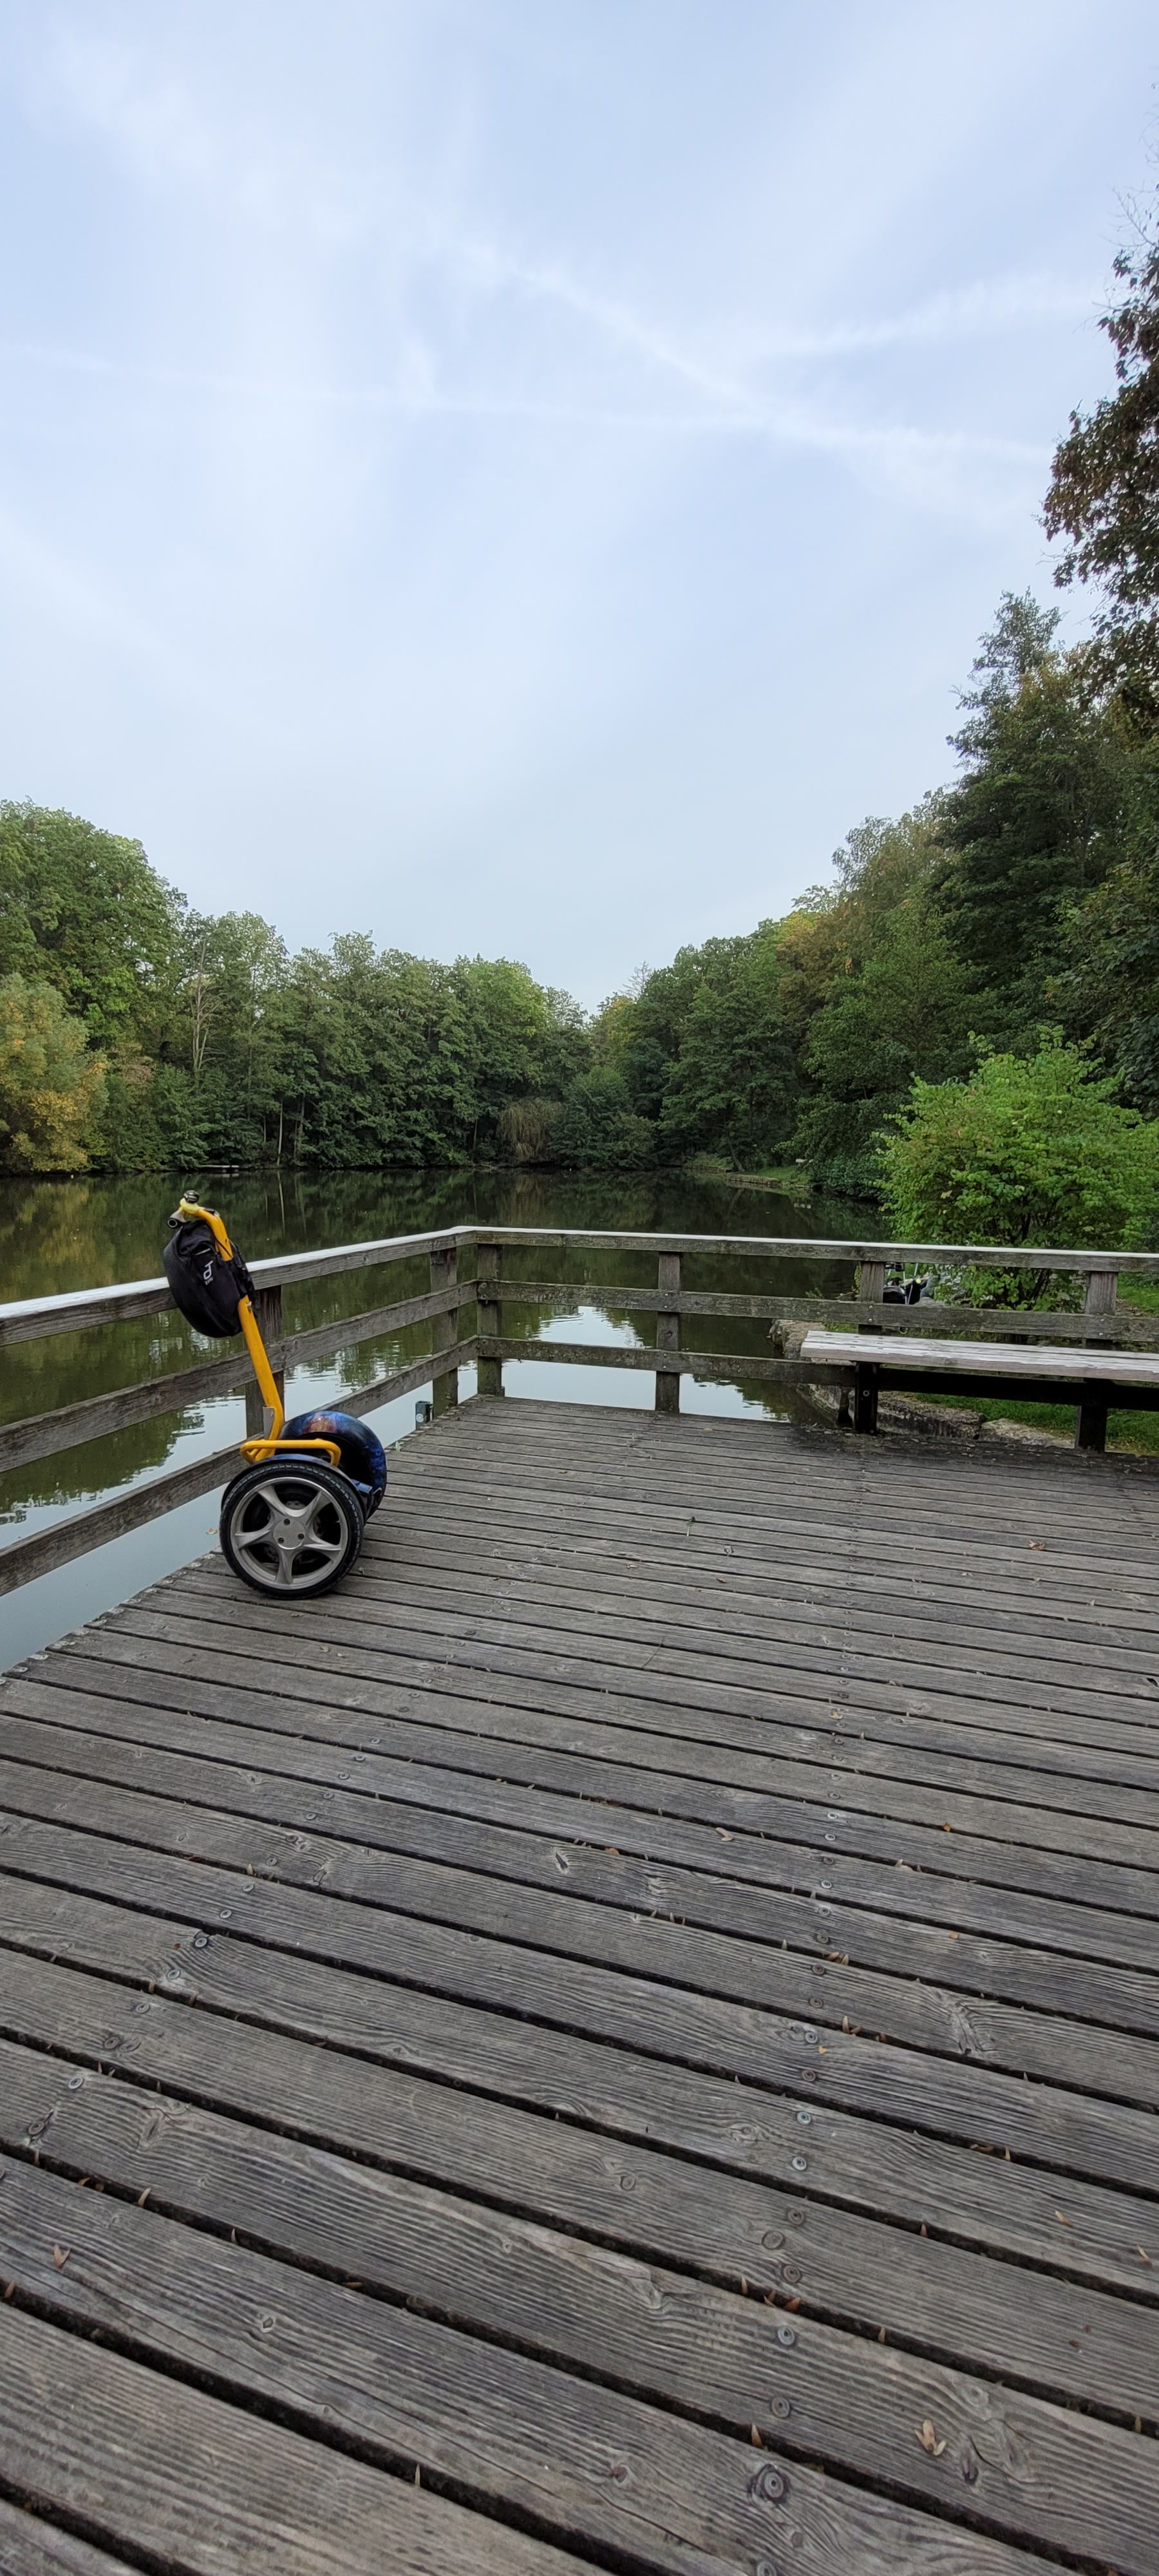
column 259, row 1451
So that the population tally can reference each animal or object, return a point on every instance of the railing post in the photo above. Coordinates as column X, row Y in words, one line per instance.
column 871, row 1283
column 445, row 1328
column 268, row 1318
column 1091, row 1427
column 668, row 1336
column 1102, row 1292
column 490, row 1379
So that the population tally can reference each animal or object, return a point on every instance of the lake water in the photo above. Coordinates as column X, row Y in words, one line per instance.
column 68, row 1234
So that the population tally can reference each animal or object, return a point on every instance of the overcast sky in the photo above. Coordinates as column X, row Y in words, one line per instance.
column 527, row 475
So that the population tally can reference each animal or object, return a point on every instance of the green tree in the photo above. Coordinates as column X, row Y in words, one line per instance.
column 316, row 1063
column 565, row 1048
column 1029, row 1150
column 597, row 1125
column 225, row 1036
column 640, row 1034
column 1035, row 819
column 526, row 1131
column 84, row 910
column 703, row 1050
column 520, row 1042
column 51, row 1087
column 733, row 1088
column 1104, row 487
column 1108, row 985
column 872, row 992
column 905, row 1012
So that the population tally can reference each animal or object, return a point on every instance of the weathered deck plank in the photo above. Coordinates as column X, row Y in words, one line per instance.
column 31, row 2547
column 472, row 1775
column 529, row 2022
column 634, row 1921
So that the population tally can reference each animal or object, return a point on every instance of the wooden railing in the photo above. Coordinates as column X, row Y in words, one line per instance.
column 489, row 1288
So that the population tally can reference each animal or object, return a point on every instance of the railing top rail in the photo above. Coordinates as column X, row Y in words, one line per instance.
column 28, row 1318
column 788, row 1247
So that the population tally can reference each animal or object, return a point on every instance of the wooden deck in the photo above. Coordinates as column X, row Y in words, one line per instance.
column 674, row 2072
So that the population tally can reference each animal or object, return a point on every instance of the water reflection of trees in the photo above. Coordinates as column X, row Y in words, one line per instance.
column 61, row 1235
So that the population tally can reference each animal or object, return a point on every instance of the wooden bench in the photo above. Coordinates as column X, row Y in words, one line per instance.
column 1092, row 1380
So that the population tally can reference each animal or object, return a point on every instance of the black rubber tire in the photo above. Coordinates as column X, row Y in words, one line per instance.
column 260, row 1542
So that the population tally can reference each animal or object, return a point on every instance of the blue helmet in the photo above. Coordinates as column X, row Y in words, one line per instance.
column 363, row 1457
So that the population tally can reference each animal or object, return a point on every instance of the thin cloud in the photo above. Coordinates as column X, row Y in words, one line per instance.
column 986, row 307
column 614, row 320
column 892, row 443
column 980, row 311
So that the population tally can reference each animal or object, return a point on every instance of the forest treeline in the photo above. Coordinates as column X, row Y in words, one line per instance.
column 999, row 943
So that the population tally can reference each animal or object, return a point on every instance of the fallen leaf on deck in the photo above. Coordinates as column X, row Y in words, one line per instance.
column 60, row 2255
column 929, row 2441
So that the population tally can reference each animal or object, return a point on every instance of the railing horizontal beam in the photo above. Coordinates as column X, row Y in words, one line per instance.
column 776, row 1247
column 972, row 1323
column 290, row 1270
column 30, row 1318
column 46, row 1549
column 44, row 1435
column 721, row 1368
column 652, row 1301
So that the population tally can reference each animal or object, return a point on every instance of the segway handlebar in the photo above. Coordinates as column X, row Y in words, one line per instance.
column 258, row 1451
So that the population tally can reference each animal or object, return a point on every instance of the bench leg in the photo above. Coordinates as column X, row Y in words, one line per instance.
column 865, row 1398
column 1091, row 1427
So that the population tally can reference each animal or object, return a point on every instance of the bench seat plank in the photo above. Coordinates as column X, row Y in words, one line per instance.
column 991, row 1359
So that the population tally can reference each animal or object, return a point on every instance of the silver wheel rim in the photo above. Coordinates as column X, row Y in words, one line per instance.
column 288, row 1535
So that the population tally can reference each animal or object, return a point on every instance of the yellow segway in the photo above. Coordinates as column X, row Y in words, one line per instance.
column 292, row 1522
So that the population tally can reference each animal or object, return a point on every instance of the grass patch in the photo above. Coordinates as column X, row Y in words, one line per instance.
column 1137, row 1434
column 1143, row 1294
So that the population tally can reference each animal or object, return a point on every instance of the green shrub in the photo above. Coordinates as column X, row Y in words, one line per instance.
column 1030, row 1150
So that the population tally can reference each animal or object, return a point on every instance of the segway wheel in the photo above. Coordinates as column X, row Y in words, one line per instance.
column 291, row 1528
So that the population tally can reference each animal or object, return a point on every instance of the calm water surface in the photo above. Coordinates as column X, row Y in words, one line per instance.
column 69, row 1234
